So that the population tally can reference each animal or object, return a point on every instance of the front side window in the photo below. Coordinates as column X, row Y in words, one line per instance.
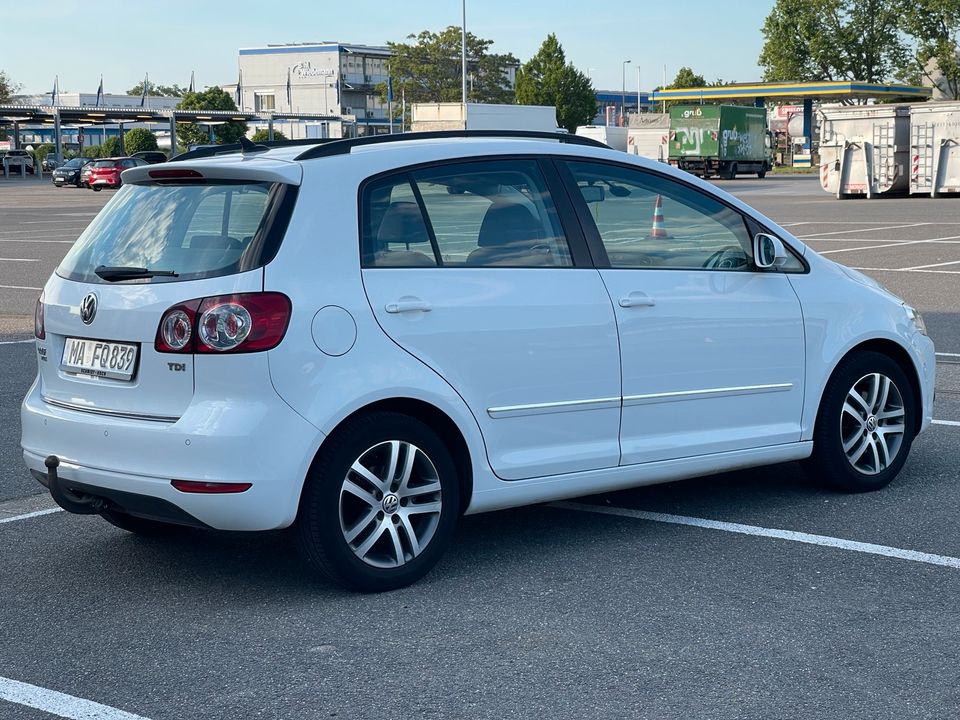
column 648, row 221
column 472, row 214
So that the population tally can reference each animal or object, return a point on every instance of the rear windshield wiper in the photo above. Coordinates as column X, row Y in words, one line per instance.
column 110, row 274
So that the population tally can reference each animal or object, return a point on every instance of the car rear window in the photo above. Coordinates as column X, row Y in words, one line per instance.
column 197, row 230
column 104, row 163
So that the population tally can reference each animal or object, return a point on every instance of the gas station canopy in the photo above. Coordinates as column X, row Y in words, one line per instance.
column 843, row 90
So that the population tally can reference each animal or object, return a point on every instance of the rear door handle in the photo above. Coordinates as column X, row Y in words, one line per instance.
column 408, row 303
column 637, row 299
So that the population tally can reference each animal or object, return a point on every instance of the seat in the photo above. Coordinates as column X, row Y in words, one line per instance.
column 402, row 224
column 510, row 235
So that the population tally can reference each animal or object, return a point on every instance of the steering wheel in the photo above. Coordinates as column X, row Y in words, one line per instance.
column 729, row 258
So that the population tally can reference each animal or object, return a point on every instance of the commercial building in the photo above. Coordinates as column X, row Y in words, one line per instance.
column 322, row 79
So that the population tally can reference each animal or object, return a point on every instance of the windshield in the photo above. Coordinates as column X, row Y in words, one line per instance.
column 75, row 163
column 196, row 231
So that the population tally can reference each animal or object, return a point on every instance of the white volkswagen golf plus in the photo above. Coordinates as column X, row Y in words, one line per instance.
column 366, row 339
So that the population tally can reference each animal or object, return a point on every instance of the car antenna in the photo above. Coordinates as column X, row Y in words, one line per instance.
column 246, row 146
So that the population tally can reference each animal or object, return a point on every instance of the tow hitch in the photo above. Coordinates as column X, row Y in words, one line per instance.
column 65, row 498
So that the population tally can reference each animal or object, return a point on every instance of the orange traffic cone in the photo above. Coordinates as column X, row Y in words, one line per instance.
column 658, row 231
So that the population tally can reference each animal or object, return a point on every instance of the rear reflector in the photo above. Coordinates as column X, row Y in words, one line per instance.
column 191, row 486
column 174, row 174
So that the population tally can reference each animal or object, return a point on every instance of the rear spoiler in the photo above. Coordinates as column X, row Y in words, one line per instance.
column 233, row 167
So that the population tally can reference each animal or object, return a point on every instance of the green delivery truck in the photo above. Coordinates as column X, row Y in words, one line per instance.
column 722, row 140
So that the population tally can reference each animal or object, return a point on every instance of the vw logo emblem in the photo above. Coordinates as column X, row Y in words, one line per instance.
column 391, row 503
column 872, row 423
column 88, row 308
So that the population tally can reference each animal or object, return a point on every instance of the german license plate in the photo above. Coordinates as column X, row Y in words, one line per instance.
column 99, row 358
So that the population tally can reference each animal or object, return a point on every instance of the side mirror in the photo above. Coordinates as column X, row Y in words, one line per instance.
column 768, row 251
column 592, row 193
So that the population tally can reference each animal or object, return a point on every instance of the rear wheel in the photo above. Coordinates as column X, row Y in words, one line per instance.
column 380, row 504
column 97, row 188
column 762, row 172
column 731, row 171
column 864, row 426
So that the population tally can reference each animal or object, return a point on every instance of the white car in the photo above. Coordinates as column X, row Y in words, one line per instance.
column 17, row 162
column 371, row 337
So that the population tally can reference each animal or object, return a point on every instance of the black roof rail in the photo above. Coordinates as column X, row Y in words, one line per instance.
column 229, row 148
column 344, row 146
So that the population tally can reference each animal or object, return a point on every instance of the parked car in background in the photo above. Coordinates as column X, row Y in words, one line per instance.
column 15, row 159
column 49, row 163
column 488, row 322
column 85, row 173
column 70, row 173
column 105, row 172
column 151, row 156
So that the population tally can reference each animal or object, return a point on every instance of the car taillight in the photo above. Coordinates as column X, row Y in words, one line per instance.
column 39, row 329
column 246, row 322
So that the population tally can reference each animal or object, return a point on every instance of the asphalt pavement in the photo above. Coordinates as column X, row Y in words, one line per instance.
column 549, row 611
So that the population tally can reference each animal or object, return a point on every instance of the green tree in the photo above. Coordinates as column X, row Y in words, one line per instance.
column 932, row 27
column 110, row 147
column 92, row 151
column 139, row 139
column 429, row 69
column 41, row 151
column 547, row 79
column 687, row 78
column 263, row 135
column 808, row 40
column 8, row 88
column 213, row 98
column 154, row 90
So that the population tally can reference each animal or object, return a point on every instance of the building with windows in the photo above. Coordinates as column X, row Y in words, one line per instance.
column 321, row 79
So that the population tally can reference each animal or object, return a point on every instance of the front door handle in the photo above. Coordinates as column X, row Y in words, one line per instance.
column 408, row 303
column 637, row 299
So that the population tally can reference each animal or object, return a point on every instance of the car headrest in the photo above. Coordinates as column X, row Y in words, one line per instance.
column 402, row 223
column 508, row 224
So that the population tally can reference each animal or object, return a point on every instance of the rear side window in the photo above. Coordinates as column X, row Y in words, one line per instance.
column 470, row 214
column 197, row 231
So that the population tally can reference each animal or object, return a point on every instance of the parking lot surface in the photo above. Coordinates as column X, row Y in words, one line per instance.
column 746, row 595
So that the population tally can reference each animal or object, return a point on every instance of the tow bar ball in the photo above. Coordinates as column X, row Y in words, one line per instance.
column 66, row 498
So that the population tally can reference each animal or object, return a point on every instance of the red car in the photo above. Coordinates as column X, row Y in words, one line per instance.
column 106, row 171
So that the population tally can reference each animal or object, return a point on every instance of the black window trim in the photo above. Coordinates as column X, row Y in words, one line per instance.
column 580, row 255
column 595, row 242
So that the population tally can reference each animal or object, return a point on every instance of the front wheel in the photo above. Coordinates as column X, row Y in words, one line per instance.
column 97, row 188
column 380, row 504
column 864, row 426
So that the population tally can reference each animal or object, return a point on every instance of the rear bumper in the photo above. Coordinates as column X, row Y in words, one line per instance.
column 261, row 442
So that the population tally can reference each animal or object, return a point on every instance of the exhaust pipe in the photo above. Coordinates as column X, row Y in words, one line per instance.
column 65, row 498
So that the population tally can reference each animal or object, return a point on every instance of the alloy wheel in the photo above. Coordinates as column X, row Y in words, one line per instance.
column 390, row 504
column 872, row 423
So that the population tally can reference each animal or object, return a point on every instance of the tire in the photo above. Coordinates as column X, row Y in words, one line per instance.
column 96, row 188
column 138, row 525
column 731, row 171
column 852, row 450
column 762, row 172
column 331, row 507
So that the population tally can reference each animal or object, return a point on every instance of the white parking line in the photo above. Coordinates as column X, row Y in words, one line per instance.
column 870, row 229
column 19, row 287
column 956, row 355
column 25, row 516
column 15, row 342
column 923, row 267
column 755, row 530
column 951, row 423
column 59, row 704
column 873, row 247
column 19, row 260
column 935, row 272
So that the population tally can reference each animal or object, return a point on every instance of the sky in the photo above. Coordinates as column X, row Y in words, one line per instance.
column 124, row 39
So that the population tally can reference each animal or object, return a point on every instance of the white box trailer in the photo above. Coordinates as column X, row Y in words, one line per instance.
column 649, row 142
column 934, row 148
column 865, row 150
column 611, row 135
column 425, row 117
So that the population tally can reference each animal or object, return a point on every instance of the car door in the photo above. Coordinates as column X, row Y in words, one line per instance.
column 712, row 348
column 468, row 267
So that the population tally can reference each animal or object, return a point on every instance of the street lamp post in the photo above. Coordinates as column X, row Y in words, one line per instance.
column 623, row 89
column 463, row 57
